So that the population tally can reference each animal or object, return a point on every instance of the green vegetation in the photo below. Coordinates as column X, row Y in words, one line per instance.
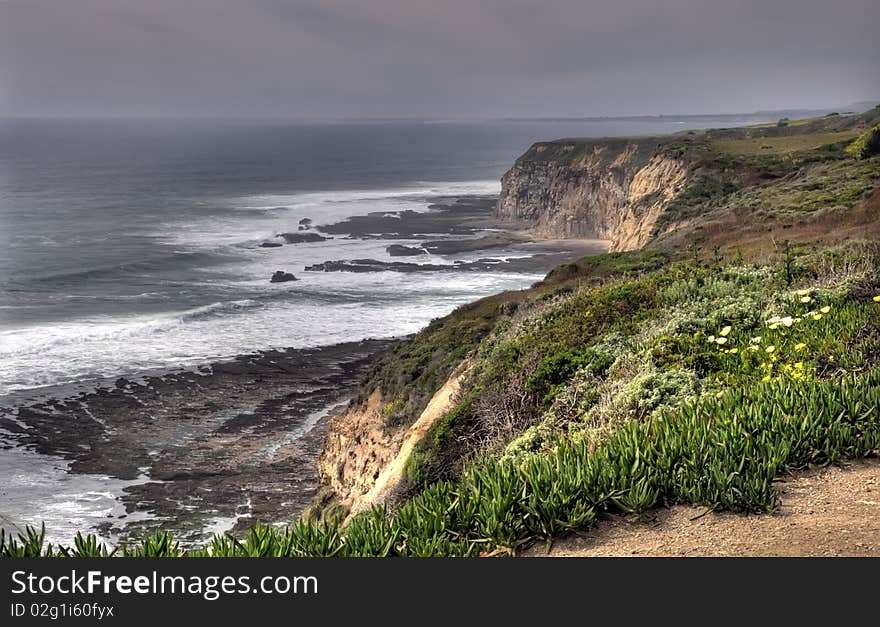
column 688, row 383
column 604, row 151
column 721, row 453
column 814, row 187
column 628, row 380
column 756, row 146
column 775, row 172
column 867, row 144
column 411, row 373
column 433, row 458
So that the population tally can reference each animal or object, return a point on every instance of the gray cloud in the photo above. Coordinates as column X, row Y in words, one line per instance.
column 353, row 58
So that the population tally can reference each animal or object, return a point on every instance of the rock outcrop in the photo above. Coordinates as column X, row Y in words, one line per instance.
column 280, row 276
column 363, row 459
column 399, row 250
column 301, row 238
column 605, row 189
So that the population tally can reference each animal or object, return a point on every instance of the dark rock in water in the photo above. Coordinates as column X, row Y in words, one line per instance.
column 282, row 277
column 306, row 221
column 373, row 265
column 300, row 238
column 271, row 245
column 398, row 250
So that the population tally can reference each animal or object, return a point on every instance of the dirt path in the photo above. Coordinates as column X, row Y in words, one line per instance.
column 827, row 512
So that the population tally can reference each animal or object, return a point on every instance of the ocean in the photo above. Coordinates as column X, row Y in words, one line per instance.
column 134, row 246
column 130, row 245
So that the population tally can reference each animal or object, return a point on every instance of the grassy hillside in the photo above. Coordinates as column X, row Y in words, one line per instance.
column 695, row 382
column 741, row 346
column 770, row 178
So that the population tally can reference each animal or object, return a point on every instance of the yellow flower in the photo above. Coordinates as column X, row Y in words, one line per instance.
column 766, row 378
column 877, row 299
column 721, row 340
column 817, row 317
column 803, row 292
column 787, row 321
column 770, row 348
column 754, row 348
column 825, row 309
column 806, row 299
column 733, row 351
column 725, row 331
column 800, row 346
column 774, row 326
column 710, row 339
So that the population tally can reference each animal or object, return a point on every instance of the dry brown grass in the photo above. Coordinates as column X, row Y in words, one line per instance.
column 757, row 146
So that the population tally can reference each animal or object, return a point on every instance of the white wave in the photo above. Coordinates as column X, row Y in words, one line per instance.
column 38, row 340
column 262, row 219
column 417, row 191
column 323, row 309
column 40, row 489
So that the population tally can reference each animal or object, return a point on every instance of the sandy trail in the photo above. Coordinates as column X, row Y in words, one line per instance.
column 825, row 512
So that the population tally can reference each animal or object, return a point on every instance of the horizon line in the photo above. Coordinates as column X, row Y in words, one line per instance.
column 850, row 109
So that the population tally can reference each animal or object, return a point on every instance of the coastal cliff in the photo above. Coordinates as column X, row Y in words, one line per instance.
column 605, row 189
column 637, row 191
column 619, row 384
column 363, row 459
column 507, row 376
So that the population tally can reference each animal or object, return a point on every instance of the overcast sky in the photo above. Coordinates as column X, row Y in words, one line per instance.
column 434, row 58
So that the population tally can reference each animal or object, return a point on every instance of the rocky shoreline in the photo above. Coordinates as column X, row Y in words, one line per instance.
column 453, row 226
column 233, row 441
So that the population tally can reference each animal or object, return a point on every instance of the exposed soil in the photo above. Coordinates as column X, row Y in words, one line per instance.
column 825, row 512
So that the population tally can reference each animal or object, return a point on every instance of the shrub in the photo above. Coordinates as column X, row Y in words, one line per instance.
column 867, row 144
column 558, row 368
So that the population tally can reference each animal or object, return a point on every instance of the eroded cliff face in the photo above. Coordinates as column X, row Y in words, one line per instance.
column 363, row 460
column 612, row 190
